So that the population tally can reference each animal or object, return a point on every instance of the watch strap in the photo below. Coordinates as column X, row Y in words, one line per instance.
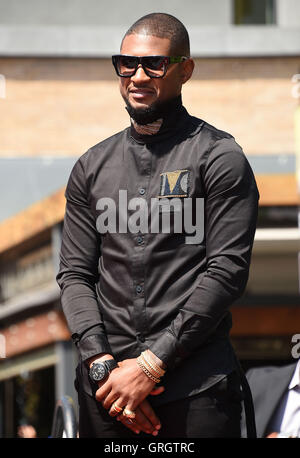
column 111, row 364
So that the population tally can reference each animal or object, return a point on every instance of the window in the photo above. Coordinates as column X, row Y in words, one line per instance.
column 28, row 399
column 277, row 217
column 254, row 12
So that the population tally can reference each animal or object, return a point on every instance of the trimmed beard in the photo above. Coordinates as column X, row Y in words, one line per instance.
column 149, row 114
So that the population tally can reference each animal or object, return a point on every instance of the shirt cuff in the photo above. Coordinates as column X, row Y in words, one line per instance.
column 167, row 349
column 92, row 345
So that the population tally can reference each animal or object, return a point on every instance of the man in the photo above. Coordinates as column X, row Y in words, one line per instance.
column 276, row 397
column 157, row 240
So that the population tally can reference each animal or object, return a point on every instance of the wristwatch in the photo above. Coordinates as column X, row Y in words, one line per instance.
column 100, row 370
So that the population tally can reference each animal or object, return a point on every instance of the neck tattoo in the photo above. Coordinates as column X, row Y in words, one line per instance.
column 147, row 129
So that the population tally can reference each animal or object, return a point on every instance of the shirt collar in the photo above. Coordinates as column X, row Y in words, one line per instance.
column 296, row 377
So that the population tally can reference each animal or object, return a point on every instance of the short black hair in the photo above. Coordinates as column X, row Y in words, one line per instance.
column 163, row 25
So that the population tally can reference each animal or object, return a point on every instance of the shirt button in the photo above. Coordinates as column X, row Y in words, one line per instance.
column 142, row 191
column 138, row 289
column 140, row 240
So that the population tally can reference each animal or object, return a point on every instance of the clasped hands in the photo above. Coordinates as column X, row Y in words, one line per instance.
column 127, row 388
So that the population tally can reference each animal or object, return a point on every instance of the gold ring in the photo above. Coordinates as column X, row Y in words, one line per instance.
column 129, row 413
column 117, row 408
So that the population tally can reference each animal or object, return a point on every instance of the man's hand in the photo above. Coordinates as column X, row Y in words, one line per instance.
column 128, row 385
column 145, row 420
column 275, row 435
column 116, row 388
column 27, row 431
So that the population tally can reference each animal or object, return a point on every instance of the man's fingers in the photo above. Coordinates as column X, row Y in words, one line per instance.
column 131, row 406
column 143, row 414
column 102, row 392
column 116, row 407
column 139, row 423
column 157, row 390
column 108, row 401
column 144, row 421
column 129, row 424
column 149, row 413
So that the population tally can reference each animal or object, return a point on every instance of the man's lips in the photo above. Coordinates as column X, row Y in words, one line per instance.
column 140, row 93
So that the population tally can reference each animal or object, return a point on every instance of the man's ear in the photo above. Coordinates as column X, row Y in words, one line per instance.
column 187, row 70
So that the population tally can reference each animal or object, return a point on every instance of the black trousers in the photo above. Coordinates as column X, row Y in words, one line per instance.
column 214, row 413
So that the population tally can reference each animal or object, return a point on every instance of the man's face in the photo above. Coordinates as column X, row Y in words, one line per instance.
column 140, row 91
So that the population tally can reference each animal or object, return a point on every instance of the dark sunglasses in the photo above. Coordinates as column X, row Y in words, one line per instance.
column 153, row 66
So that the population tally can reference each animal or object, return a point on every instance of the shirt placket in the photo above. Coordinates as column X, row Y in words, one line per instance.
column 140, row 189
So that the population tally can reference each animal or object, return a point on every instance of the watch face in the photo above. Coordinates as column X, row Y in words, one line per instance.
column 98, row 371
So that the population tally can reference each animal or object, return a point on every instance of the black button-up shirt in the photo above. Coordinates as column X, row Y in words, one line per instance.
column 131, row 279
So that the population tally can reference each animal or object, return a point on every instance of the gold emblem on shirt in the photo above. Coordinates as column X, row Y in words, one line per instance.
column 174, row 184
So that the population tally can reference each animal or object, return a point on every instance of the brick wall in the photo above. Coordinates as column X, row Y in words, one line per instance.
column 64, row 106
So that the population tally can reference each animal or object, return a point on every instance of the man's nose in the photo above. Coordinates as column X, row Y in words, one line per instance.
column 140, row 75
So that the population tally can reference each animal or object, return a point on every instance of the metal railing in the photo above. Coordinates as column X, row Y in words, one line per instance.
column 64, row 420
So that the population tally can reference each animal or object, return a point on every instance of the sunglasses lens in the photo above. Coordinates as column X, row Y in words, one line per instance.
column 126, row 65
column 155, row 65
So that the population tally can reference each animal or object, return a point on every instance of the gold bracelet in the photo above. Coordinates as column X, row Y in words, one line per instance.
column 151, row 361
column 149, row 367
column 146, row 371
